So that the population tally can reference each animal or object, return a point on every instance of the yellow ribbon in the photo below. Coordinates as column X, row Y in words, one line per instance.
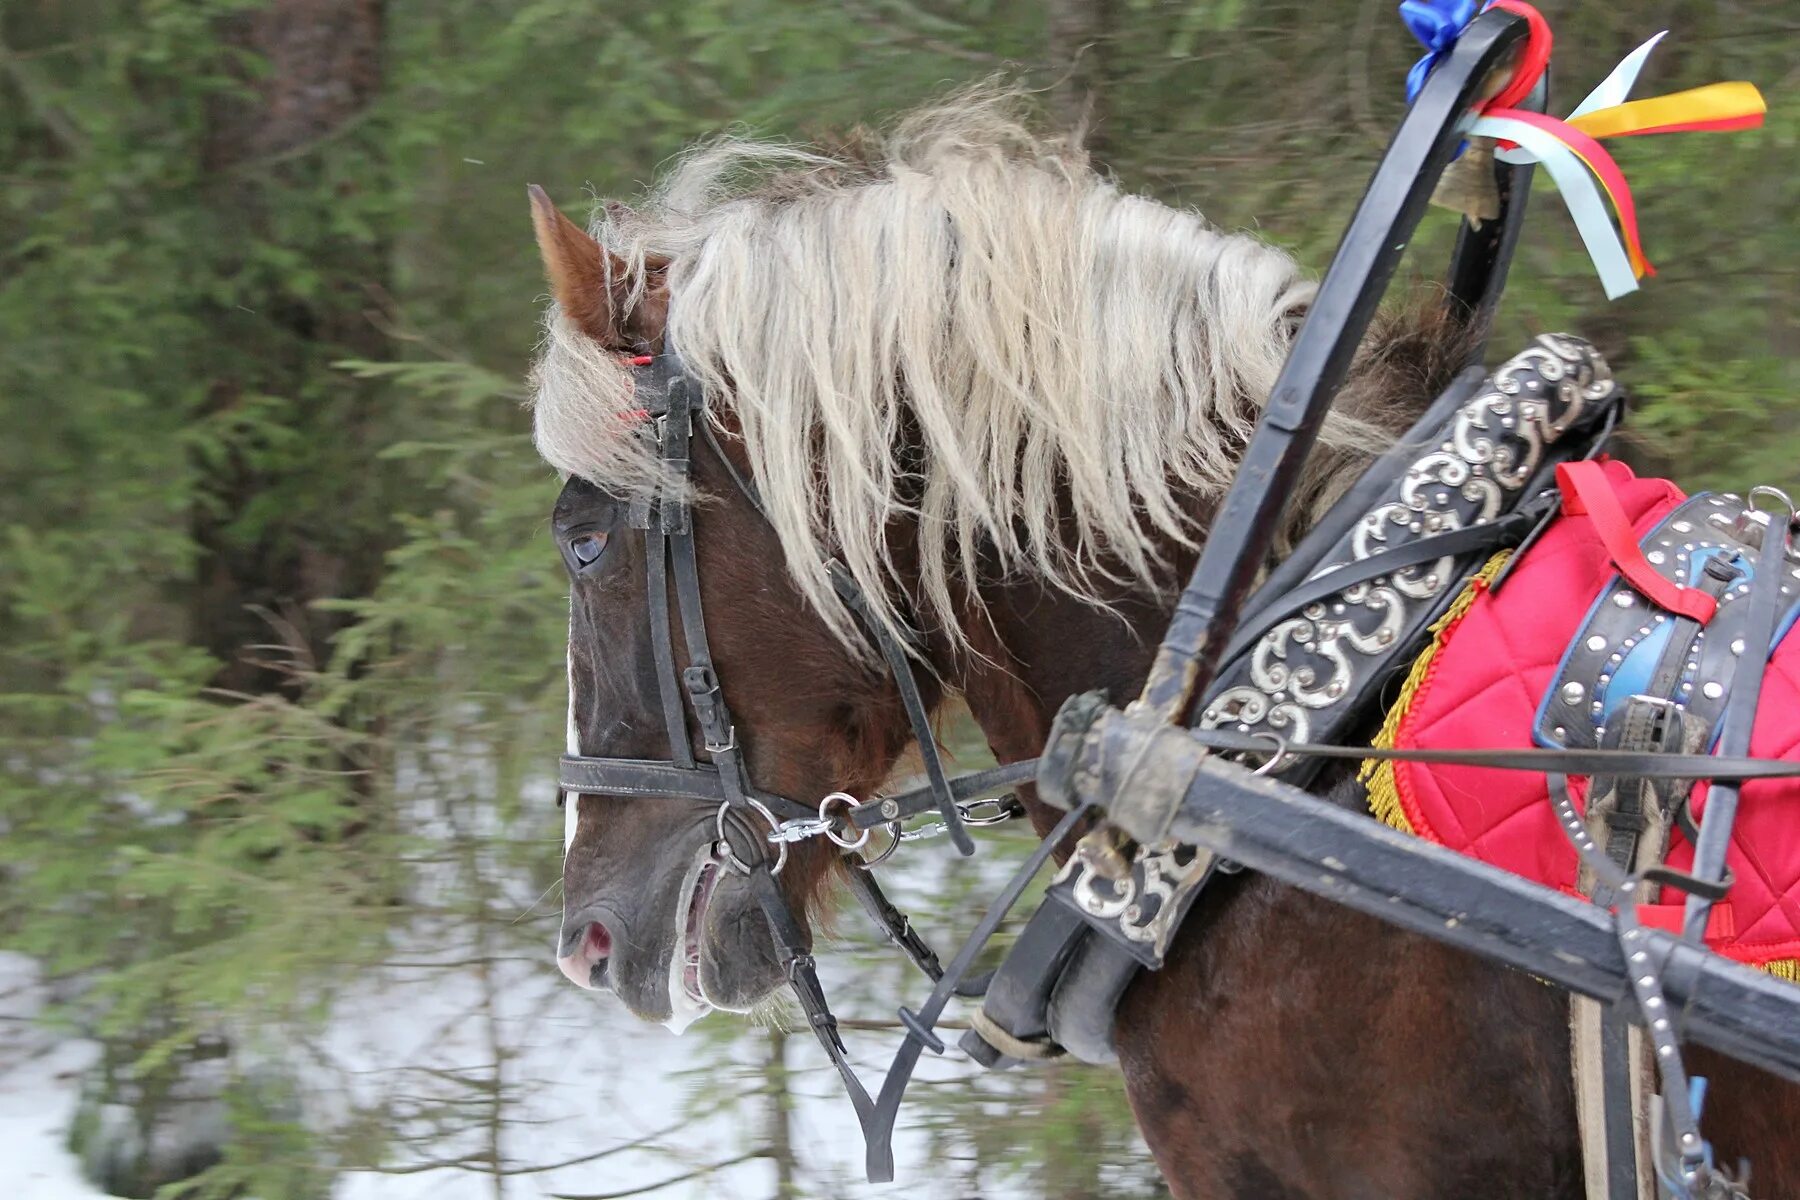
column 1717, row 103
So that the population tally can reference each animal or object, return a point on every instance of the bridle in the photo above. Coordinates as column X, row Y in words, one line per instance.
column 674, row 411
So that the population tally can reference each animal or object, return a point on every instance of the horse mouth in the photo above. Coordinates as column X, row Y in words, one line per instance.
column 693, row 922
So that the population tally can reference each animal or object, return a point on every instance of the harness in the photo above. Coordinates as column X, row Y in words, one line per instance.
column 1113, row 911
column 1250, row 690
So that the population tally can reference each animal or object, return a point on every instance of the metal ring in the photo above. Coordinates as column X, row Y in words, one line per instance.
column 840, row 842
column 1274, row 760
column 887, row 852
column 722, row 848
column 1764, row 489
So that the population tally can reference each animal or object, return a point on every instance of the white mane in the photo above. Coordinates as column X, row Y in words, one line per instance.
column 1077, row 364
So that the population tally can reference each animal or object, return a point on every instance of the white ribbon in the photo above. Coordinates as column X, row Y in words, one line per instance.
column 1614, row 89
column 1579, row 192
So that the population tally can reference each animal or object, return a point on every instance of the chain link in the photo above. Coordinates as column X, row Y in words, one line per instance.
column 978, row 813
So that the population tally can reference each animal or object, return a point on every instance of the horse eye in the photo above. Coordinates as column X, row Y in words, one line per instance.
column 587, row 547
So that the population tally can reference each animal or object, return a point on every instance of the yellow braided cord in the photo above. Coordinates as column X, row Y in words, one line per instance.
column 1378, row 775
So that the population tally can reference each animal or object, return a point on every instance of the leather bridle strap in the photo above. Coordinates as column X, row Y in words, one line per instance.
column 803, row 977
column 901, row 667
column 662, row 642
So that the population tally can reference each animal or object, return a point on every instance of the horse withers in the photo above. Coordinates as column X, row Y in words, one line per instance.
column 1003, row 398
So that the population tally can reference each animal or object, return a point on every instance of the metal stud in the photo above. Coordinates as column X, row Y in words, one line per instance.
column 1573, row 692
column 1713, row 689
column 1622, row 599
column 1682, row 527
column 1596, row 643
column 1657, row 557
column 1737, row 645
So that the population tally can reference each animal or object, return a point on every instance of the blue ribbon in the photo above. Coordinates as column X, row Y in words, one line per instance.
column 1437, row 24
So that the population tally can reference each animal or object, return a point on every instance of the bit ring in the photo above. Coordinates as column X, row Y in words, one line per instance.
column 722, row 847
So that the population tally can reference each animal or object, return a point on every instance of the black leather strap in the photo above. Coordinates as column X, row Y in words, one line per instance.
column 894, row 924
column 1503, row 531
column 1764, row 610
column 903, row 805
column 878, row 1134
column 803, row 977
column 900, row 666
column 662, row 642
column 646, row 778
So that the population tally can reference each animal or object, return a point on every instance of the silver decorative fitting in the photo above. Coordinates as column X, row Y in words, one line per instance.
column 1596, row 643
column 1737, row 645
column 1572, row 693
column 1712, row 689
column 1657, row 557
column 1622, row 599
column 1682, row 527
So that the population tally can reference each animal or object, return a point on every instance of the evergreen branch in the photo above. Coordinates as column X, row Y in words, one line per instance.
column 52, row 118
column 869, row 15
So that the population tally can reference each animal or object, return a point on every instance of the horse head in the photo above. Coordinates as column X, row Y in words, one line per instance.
column 997, row 394
column 650, row 909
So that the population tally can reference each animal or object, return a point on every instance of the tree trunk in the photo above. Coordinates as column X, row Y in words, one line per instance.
column 781, row 1115
column 294, row 496
column 1081, row 33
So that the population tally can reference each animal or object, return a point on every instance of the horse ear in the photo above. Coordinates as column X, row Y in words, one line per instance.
column 588, row 282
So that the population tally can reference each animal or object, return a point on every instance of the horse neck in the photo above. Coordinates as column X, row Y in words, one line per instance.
column 1035, row 646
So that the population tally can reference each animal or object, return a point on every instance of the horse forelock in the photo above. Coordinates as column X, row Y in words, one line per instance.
column 1067, row 367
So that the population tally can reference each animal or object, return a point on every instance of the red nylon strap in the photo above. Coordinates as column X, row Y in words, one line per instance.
column 1586, row 491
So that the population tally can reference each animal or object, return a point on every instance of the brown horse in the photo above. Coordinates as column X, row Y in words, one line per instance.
column 1007, row 397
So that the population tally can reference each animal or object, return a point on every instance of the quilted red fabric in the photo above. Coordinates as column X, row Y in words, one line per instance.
column 1483, row 689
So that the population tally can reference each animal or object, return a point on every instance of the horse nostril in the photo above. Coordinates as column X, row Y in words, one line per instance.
column 583, row 949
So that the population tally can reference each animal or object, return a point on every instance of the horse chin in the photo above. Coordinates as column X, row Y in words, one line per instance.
column 738, row 967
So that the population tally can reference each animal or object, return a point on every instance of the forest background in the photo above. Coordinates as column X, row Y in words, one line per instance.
column 280, row 624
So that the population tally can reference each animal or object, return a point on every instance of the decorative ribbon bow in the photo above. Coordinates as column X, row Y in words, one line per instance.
column 1437, row 24
column 1570, row 149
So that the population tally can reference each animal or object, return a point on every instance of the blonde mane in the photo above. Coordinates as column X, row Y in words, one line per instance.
column 1075, row 365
